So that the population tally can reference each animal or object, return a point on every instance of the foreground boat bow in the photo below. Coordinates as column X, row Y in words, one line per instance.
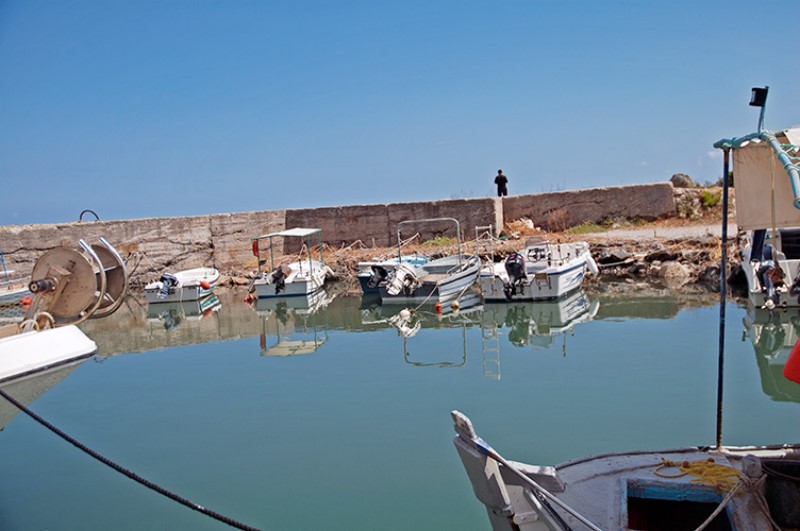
column 727, row 488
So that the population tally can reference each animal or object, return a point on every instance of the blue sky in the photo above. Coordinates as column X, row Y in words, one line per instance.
column 168, row 108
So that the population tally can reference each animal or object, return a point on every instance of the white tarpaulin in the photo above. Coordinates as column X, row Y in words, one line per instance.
column 757, row 174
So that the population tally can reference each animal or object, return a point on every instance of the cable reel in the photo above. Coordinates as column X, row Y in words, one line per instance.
column 71, row 285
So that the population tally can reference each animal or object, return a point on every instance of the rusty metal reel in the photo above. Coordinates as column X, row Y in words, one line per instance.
column 75, row 274
column 116, row 279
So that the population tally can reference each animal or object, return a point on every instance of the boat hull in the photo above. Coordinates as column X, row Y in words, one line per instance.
column 551, row 271
column 189, row 286
column 299, row 284
column 547, row 285
column 437, row 288
column 31, row 352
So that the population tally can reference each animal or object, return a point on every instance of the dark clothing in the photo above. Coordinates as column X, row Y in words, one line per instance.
column 501, row 181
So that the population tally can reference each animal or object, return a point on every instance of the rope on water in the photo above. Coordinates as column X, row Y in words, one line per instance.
column 139, row 479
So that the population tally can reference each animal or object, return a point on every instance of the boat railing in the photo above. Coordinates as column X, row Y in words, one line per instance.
column 429, row 220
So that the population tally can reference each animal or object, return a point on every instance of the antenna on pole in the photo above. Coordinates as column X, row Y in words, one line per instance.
column 758, row 98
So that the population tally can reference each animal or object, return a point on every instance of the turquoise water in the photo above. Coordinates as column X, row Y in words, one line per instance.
column 352, row 430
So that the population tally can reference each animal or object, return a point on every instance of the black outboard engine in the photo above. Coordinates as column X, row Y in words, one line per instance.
column 279, row 279
column 168, row 284
column 515, row 269
column 379, row 274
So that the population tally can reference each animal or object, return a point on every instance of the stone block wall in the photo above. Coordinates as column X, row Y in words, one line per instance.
column 560, row 210
column 152, row 245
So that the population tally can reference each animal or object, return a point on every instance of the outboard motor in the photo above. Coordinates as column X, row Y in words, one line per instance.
column 168, row 284
column 403, row 279
column 379, row 274
column 772, row 277
column 278, row 278
column 515, row 269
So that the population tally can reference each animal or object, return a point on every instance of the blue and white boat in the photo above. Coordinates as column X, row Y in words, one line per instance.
column 541, row 271
column 436, row 281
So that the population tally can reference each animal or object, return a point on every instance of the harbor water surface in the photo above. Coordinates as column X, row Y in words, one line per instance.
column 337, row 416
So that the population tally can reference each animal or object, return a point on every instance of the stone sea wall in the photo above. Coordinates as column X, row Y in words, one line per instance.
column 151, row 245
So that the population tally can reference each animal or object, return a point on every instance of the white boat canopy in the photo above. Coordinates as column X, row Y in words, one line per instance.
column 298, row 232
column 765, row 169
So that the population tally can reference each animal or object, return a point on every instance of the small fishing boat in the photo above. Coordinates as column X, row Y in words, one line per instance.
column 767, row 196
column 670, row 489
column 441, row 280
column 714, row 487
column 374, row 273
column 68, row 286
column 294, row 279
column 188, row 285
column 543, row 270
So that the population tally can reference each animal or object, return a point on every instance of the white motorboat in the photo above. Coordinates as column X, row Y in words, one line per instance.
column 437, row 281
column 543, row 270
column 188, row 285
column 374, row 273
column 294, row 279
column 68, row 286
column 703, row 487
column 767, row 193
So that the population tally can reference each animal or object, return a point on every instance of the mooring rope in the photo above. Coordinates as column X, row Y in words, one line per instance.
column 139, row 479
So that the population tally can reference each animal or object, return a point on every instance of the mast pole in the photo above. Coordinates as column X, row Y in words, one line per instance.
column 722, row 294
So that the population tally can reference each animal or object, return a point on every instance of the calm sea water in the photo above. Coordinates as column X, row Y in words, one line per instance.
column 337, row 417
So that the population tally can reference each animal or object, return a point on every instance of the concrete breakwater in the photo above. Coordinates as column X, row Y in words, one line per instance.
column 152, row 245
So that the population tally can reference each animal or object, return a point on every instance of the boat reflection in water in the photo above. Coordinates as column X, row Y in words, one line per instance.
column 774, row 334
column 293, row 325
column 27, row 389
column 538, row 323
column 175, row 313
column 408, row 322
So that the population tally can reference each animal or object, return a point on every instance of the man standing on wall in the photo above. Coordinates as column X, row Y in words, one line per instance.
column 501, row 181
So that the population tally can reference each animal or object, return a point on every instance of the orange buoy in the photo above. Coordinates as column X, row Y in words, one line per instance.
column 255, row 247
column 249, row 298
column 791, row 371
column 205, row 284
column 438, row 307
column 25, row 301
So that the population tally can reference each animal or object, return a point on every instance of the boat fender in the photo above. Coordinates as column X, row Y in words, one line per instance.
column 591, row 264
column 255, row 247
column 205, row 284
column 791, row 371
column 438, row 308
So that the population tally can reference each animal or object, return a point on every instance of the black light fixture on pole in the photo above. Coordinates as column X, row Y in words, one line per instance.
column 758, row 98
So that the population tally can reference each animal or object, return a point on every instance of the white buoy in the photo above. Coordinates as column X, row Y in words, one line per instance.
column 405, row 313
